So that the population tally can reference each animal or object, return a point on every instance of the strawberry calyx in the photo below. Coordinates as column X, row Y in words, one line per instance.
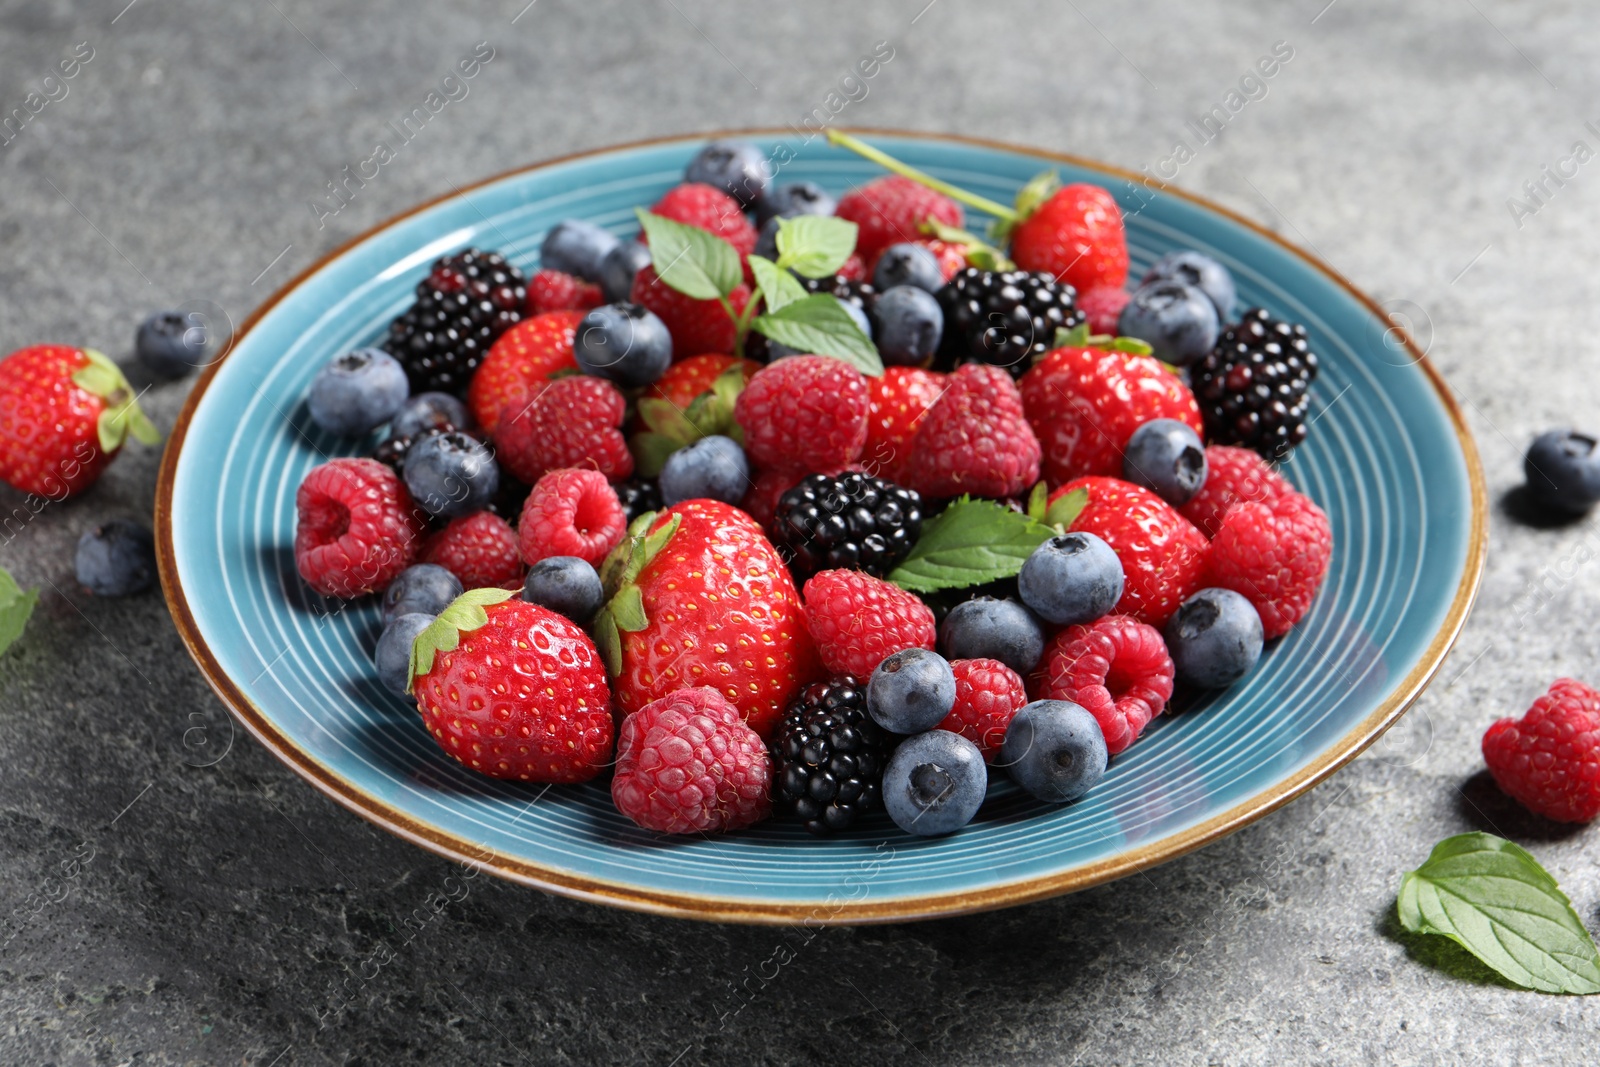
column 466, row 613
column 1064, row 511
column 671, row 427
column 122, row 415
column 624, row 607
column 979, row 254
column 1080, row 337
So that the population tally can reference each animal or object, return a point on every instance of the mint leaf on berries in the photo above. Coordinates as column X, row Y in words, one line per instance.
column 16, row 606
column 819, row 324
column 815, row 245
column 778, row 287
column 1493, row 899
column 693, row 261
column 970, row 543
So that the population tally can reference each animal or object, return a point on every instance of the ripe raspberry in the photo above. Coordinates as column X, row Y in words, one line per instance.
column 480, row 549
column 897, row 401
column 1233, row 476
column 1275, row 554
column 1549, row 760
column 571, row 422
column 805, row 412
column 856, row 620
column 519, row 364
column 697, row 204
column 892, row 209
column 553, row 290
column 854, row 269
column 696, row 326
column 988, row 694
column 1103, row 305
column 688, row 764
column 571, row 512
column 975, row 439
column 1077, row 236
column 356, row 527
column 1116, row 667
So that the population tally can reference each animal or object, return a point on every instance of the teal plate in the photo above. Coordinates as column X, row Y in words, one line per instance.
column 1389, row 459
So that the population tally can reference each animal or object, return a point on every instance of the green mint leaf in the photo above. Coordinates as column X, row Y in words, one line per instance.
column 778, row 286
column 1038, row 501
column 815, row 245
column 1065, row 510
column 465, row 614
column 1493, row 899
column 16, row 605
column 819, row 324
column 970, row 543
column 693, row 261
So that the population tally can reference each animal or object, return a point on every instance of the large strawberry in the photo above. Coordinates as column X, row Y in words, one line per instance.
column 698, row 596
column 519, row 364
column 64, row 413
column 975, row 439
column 1074, row 232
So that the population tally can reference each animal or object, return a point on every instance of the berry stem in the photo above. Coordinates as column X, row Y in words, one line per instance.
column 883, row 159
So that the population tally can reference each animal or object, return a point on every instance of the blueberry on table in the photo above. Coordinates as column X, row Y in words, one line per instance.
column 577, row 247
column 908, row 263
column 393, row 656
column 1168, row 458
column 714, row 468
column 170, row 344
column 1177, row 321
column 566, row 585
column 1055, row 750
column 910, row 325
column 117, row 558
column 357, row 392
column 934, row 783
column 1563, row 470
column 1214, row 638
column 624, row 343
column 794, row 198
column 992, row 628
column 737, row 168
column 1199, row 270
column 423, row 588
column 1073, row 577
column 911, row 691
column 451, row 474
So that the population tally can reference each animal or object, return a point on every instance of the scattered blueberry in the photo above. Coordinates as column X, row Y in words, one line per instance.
column 1179, row 322
column 713, row 467
column 988, row 628
column 1168, row 458
column 1200, row 271
column 1054, row 749
column 116, row 558
column 794, row 198
column 1214, row 638
column 171, row 343
column 577, row 247
column 934, row 783
column 426, row 412
column 566, row 585
column 1073, row 577
column 424, row 588
column 451, row 474
column 619, row 268
column 357, row 391
column 623, row 342
column 907, row 264
column 1563, row 470
column 738, row 168
column 393, row 656
column 910, row 323
column 911, row 691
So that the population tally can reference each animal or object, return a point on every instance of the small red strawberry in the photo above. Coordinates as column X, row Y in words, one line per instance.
column 553, row 290
column 1233, row 476
column 1076, row 234
column 1549, row 760
column 689, row 379
column 988, row 694
column 975, row 439
column 697, row 326
column 513, row 690
column 571, row 422
column 480, row 549
column 892, row 209
column 804, row 412
column 857, row 620
column 64, row 413
column 897, row 402
column 1274, row 554
column 1117, row 668
column 697, row 204
column 571, row 512
column 519, row 364
column 1102, row 306
column 356, row 527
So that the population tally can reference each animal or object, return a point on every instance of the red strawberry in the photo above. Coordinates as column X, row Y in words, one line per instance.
column 64, row 413
column 695, row 325
column 804, row 412
column 1076, row 235
column 1163, row 556
column 1117, row 668
column 696, row 204
column 1274, row 554
column 552, row 290
column 571, row 513
column 897, row 402
column 513, row 690
column 975, row 439
column 1102, row 306
column 1084, row 404
column 988, row 694
column 480, row 549
column 519, row 364
column 571, row 422
column 1233, row 476
column 688, row 379
column 702, row 598
column 856, row 620
column 892, row 209
column 355, row 528
column 1549, row 760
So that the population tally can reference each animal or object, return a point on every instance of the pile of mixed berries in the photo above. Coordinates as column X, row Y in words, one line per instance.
column 806, row 507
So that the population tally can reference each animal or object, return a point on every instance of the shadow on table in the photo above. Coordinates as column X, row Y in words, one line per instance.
column 1487, row 808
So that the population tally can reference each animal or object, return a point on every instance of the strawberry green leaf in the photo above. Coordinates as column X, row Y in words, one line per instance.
column 608, row 642
column 1038, row 501
column 979, row 254
column 1065, row 511
column 815, row 245
column 1039, row 188
column 16, row 606
column 1130, row 344
column 693, row 261
column 1494, row 900
column 819, row 324
column 627, row 609
column 667, row 419
column 465, row 614
column 1076, row 337
column 650, row 451
column 778, row 286
column 970, row 543
column 728, row 385
column 122, row 415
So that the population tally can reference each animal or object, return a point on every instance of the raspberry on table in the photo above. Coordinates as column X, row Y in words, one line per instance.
column 1233, row 475
column 856, row 620
column 480, row 549
column 1549, row 760
column 1116, row 668
column 356, row 527
column 804, row 413
column 988, row 694
column 571, row 512
column 828, row 756
column 1275, row 554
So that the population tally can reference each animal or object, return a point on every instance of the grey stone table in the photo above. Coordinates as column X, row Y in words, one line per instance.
column 172, row 895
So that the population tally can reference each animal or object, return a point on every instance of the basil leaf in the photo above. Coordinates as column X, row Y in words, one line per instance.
column 16, row 606
column 778, row 286
column 819, row 324
column 1493, row 899
column 970, row 543
column 815, row 245
column 693, row 261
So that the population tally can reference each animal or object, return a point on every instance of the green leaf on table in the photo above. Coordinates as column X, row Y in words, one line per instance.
column 815, row 245
column 971, row 542
column 693, row 261
column 16, row 605
column 819, row 324
column 778, row 286
column 1493, row 899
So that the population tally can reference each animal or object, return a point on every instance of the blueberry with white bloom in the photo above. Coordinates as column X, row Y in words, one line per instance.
column 426, row 412
column 1168, row 458
column 621, row 265
column 1177, row 321
column 1202, row 272
column 714, row 468
column 1072, row 577
column 910, row 324
column 358, row 391
column 424, row 588
column 1054, row 749
column 393, row 656
column 907, row 263
column 624, row 342
column 117, row 558
column 794, row 198
column 988, row 628
column 577, row 247
column 171, row 343
column 1563, row 470
column 911, row 691
column 1214, row 638
column 567, row 586
column 738, row 168
column 451, row 474
column 935, row 783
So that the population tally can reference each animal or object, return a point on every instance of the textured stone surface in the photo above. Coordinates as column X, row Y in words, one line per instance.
column 161, row 911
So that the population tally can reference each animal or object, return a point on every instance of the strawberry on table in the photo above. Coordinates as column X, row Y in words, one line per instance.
column 975, row 439
column 356, row 527
column 519, row 364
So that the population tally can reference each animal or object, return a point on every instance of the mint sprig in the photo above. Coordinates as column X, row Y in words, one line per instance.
column 16, row 606
column 695, row 262
column 815, row 245
column 819, row 324
column 970, row 543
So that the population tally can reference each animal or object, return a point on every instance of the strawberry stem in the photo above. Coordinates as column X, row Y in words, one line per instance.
column 883, row 159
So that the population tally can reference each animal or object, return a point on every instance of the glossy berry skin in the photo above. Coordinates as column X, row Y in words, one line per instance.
column 1006, row 318
column 554, row 290
column 990, row 628
column 356, row 527
column 571, row 512
column 910, row 323
column 451, row 474
column 907, row 263
column 698, row 204
column 1253, row 387
column 1563, row 470
column 572, row 422
column 1073, row 577
column 520, row 365
column 850, row 520
column 892, row 209
column 911, row 691
column 806, row 413
column 49, row 438
column 688, row 377
column 625, row 343
column 1214, row 639
column 857, row 621
column 975, row 439
column 713, row 467
column 935, row 783
column 688, row 764
column 1117, row 669
column 1233, row 475
column 566, row 585
column 1077, row 236
column 1202, row 272
column 620, row 267
column 117, row 558
column 357, row 392
column 637, row 496
column 794, row 198
column 896, row 403
column 828, row 757
column 737, row 168
column 1177, row 321
column 426, row 412
column 393, row 654
column 1276, row 555
column 170, row 344
column 577, row 248
column 522, row 697
column 1102, row 307
column 988, row 694
column 479, row 548
column 1054, row 750
column 1549, row 760
column 422, row 588
column 1168, row 458
column 467, row 300
column 696, row 326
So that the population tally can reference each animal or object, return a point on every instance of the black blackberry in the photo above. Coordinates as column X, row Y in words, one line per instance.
column 1004, row 318
column 830, row 756
column 850, row 520
column 1253, row 386
column 639, row 495
column 467, row 300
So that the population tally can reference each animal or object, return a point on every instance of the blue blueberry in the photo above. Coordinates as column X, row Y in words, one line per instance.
column 426, row 412
column 577, row 247
column 621, row 265
column 713, row 468
column 1178, row 322
column 393, row 657
column 907, row 264
column 117, row 558
column 1073, row 577
column 1563, row 470
column 171, row 343
column 989, row 628
column 934, row 783
column 794, row 198
column 1200, row 271
column 910, row 324
column 623, row 342
column 911, row 691
column 451, row 474
column 1167, row 458
column 767, row 240
column 1054, row 749
column 358, row 391
column 567, row 586
column 425, row 588
column 738, row 168
column 1214, row 638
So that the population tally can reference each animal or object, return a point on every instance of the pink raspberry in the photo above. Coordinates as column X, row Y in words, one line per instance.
column 1274, row 554
column 1102, row 305
column 804, row 413
column 1549, row 760
column 571, row 512
column 1116, row 667
column 856, row 620
column 1233, row 476
column 356, row 527
column 480, row 549
column 988, row 694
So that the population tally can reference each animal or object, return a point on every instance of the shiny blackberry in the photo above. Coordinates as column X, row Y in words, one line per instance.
column 829, row 757
column 1253, row 387
column 850, row 520
column 467, row 301
column 639, row 495
column 1003, row 318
